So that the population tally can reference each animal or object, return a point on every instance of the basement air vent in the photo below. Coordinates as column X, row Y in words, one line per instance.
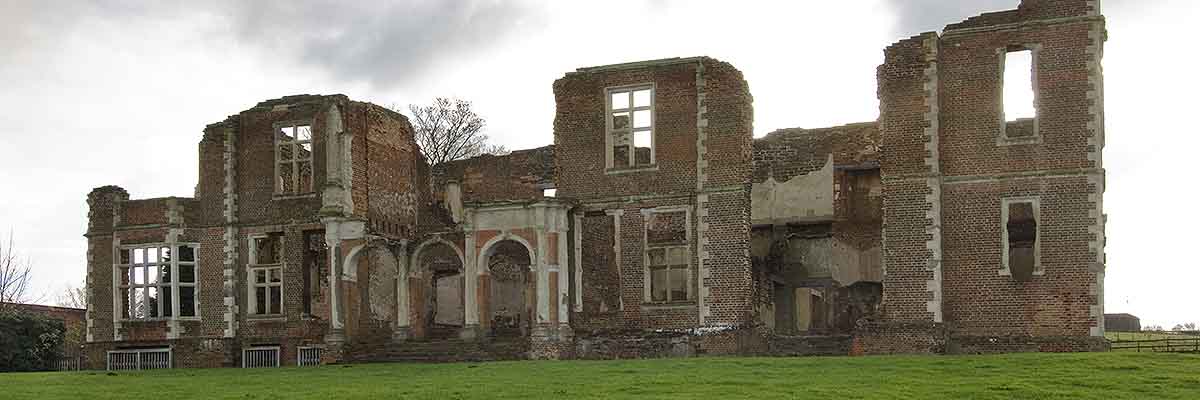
column 260, row 357
column 139, row 359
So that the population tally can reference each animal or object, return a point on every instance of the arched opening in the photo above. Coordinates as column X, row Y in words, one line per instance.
column 437, row 292
column 509, row 290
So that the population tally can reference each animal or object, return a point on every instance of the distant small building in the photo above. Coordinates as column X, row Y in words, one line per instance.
column 73, row 320
column 1122, row 323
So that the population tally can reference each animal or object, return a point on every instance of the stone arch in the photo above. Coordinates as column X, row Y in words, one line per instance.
column 490, row 246
column 436, row 289
column 373, row 266
column 415, row 263
column 507, row 287
column 380, row 295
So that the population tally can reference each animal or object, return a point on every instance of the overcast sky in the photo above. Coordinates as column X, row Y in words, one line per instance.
column 111, row 92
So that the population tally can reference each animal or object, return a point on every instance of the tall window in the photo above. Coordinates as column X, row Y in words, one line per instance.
column 293, row 159
column 667, row 256
column 157, row 281
column 266, row 276
column 316, row 256
column 631, row 127
column 1019, row 86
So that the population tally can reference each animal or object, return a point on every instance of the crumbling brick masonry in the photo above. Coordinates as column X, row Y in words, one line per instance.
column 654, row 226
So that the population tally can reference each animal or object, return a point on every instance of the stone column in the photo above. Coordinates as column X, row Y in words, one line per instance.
column 471, row 271
column 543, row 286
column 564, row 277
column 400, row 333
column 337, row 334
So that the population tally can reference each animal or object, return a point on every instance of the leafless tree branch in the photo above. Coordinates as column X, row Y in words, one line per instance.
column 73, row 297
column 16, row 274
column 449, row 130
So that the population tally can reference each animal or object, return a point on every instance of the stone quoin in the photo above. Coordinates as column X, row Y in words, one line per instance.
column 655, row 225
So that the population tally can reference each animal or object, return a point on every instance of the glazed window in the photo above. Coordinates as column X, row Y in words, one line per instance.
column 1020, row 238
column 667, row 256
column 265, row 276
column 293, row 159
column 157, row 281
column 630, row 127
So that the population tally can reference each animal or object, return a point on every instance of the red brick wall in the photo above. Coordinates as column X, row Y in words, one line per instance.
column 961, row 176
column 908, row 198
column 520, row 175
column 579, row 133
column 387, row 167
column 719, row 164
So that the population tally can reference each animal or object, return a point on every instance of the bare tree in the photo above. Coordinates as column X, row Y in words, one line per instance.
column 16, row 274
column 73, row 297
column 449, row 130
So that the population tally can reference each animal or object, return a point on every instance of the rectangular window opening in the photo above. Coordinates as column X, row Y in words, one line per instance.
column 152, row 283
column 293, row 160
column 266, row 275
column 139, row 359
column 315, row 256
column 631, row 127
column 667, row 256
column 309, row 356
column 260, row 357
column 1021, row 232
column 1020, row 98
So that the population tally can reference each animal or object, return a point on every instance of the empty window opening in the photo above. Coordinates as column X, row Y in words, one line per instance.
column 266, row 276
column 316, row 256
column 1021, row 235
column 1019, row 98
column 550, row 192
column 293, row 159
column 157, row 281
column 631, row 127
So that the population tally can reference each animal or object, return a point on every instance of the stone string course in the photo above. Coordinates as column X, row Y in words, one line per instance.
column 916, row 199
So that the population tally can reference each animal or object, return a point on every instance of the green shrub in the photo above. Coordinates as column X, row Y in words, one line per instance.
column 29, row 342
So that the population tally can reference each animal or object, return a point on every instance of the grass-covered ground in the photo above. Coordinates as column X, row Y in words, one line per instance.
column 1019, row 376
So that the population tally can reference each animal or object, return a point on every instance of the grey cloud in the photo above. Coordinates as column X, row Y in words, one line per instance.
column 384, row 44
column 915, row 16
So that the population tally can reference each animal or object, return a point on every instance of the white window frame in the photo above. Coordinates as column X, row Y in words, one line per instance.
column 1035, row 55
column 121, row 303
column 1038, row 270
column 252, row 267
column 296, row 160
column 648, row 293
column 610, row 130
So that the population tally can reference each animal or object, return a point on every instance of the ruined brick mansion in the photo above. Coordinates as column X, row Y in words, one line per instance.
column 655, row 225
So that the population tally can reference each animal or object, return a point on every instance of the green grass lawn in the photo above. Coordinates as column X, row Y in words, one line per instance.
column 1023, row 376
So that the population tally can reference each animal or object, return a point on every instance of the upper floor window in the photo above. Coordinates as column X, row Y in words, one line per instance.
column 157, row 281
column 630, row 127
column 265, row 276
column 293, row 159
column 1019, row 97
